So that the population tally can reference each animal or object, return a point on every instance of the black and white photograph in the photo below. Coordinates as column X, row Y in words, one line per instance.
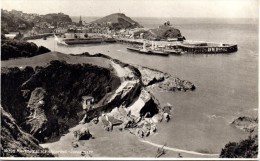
column 129, row 79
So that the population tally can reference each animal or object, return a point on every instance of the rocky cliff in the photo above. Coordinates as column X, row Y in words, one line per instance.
column 15, row 142
column 246, row 123
column 49, row 98
column 45, row 99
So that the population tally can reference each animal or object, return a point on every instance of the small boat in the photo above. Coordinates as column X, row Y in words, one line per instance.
column 159, row 52
column 173, row 51
column 133, row 48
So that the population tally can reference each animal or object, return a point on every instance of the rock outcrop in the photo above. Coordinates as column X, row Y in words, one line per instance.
column 245, row 123
column 156, row 79
column 49, row 98
column 82, row 134
column 36, row 121
column 15, row 142
column 163, row 32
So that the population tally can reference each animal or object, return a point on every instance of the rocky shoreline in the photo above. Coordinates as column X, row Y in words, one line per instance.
column 128, row 106
column 247, row 124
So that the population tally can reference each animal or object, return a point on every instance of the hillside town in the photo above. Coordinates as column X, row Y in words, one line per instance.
column 60, row 23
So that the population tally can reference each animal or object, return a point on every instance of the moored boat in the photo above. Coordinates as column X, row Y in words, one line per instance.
column 173, row 51
column 149, row 51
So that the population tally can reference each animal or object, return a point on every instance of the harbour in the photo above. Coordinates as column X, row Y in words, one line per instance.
column 164, row 49
column 209, row 110
column 165, row 81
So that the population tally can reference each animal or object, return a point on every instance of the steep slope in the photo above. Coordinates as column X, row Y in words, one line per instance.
column 15, row 142
column 11, row 22
column 17, row 20
column 49, row 97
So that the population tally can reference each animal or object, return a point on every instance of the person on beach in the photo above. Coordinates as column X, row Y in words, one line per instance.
column 179, row 155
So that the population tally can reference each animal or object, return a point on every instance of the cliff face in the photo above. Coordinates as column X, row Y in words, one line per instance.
column 15, row 142
column 46, row 100
column 49, row 98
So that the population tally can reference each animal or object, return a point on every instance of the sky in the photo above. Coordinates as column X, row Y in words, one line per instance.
column 140, row 8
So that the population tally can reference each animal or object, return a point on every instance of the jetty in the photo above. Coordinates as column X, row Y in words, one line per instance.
column 77, row 41
column 207, row 48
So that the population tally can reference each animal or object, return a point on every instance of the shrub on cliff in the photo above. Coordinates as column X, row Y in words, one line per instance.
column 14, row 49
column 247, row 148
column 42, row 50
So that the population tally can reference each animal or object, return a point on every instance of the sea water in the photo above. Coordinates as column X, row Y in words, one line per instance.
column 226, row 84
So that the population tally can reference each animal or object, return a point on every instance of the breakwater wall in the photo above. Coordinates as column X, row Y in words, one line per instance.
column 40, row 36
column 195, row 48
column 129, row 41
column 208, row 48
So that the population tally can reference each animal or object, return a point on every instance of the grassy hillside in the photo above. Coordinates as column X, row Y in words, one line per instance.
column 117, row 21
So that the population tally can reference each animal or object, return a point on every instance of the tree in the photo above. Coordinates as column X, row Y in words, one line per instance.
column 247, row 148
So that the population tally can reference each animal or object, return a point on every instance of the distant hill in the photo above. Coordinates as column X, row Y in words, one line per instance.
column 117, row 21
column 17, row 20
column 11, row 22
